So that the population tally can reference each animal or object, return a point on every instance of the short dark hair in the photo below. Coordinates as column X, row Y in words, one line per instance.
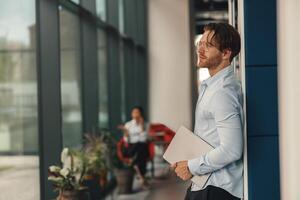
column 226, row 37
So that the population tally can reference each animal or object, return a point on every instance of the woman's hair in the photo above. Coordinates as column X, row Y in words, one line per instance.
column 140, row 109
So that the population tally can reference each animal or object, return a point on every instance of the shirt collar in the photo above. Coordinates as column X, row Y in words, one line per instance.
column 218, row 76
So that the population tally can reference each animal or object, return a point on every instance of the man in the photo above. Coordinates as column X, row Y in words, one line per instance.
column 218, row 119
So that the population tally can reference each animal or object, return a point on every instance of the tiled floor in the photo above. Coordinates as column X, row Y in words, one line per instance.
column 19, row 178
column 25, row 169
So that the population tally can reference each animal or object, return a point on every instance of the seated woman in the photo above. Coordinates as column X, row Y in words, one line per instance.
column 135, row 135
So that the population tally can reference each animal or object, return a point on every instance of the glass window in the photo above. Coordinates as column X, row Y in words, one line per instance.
column 75, row 1
column 70, row 79
column 19, row 160
column 121, row 16
column 122, row 81
column 102, row 74
column 101, row 9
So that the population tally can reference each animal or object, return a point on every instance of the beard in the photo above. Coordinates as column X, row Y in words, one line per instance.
column 209, row 62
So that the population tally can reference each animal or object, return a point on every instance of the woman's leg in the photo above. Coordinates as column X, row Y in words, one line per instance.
column 140, row 163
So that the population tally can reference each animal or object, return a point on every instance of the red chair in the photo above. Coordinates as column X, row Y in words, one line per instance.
column 120, row 146
column 161, row 134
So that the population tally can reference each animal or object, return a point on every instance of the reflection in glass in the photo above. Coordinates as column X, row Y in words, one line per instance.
column 70, row 79
column 101, row 9
column 19, row 161
column 102, row 74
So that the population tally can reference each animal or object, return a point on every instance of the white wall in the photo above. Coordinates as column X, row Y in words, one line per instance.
column 288, row 30
column 169, row 63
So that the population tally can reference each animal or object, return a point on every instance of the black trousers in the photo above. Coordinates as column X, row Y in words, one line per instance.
column 140, row 153
column 209, row 193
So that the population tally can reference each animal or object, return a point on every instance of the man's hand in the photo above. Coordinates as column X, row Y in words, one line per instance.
column 182, row 170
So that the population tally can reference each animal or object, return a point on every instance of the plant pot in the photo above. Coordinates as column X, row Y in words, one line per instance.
column 73, row 195
column 103, row 179
column 93, row 186
column 124, row 180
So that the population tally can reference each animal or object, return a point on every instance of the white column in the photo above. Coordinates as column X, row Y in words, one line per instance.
column 242, row 75
column 169, row 63
column 288, row 30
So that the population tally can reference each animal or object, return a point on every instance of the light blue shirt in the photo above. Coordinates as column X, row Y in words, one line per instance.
column 219, row 121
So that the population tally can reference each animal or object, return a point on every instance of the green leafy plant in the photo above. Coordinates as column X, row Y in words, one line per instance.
column 96, row 154
column 69, row 177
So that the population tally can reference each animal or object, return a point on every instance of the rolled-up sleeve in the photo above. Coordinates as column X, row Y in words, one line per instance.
column 227, row 112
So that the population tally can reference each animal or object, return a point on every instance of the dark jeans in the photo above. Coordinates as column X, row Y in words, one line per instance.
column 209, row 193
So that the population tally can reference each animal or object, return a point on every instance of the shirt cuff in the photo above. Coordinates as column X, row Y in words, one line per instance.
column 194, row 165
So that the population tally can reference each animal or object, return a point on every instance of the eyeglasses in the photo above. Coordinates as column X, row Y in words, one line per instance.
column 205, row 45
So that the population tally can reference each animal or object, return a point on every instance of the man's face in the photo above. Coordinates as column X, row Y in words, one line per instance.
column 208, row 56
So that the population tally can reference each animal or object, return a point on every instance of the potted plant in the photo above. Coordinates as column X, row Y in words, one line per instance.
column 96, row 158
column 116, row 163
column 123, row 168
column 68, row 179
column 125, row 175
